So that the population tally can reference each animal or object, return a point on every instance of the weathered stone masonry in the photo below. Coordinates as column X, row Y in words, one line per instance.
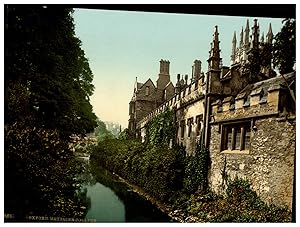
column 248, row 126
column 269, row 162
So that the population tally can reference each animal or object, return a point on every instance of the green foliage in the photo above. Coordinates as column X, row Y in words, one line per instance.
column 40, row 174
column 182, row 181
column 152, row 165
column 47, row 87
column 239, row 204
column 44, row 56
column 157, row 169
column 196, row 170
column 101, row 131
column 284, row 52
column 258, row 61
column 161, row 129
column 124, row 135
column 114, row 128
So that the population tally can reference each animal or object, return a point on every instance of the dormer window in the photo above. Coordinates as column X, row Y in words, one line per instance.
column 147, row 90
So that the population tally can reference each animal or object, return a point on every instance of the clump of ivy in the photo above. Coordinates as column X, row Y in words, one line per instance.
column 196, row 170
column 157, row 169
column 161, row 129
column 239, row 203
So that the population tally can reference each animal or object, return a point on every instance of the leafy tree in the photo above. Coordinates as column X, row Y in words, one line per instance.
column 47, row 87
column 284, row 52
column 101, row 131
column 44, row 56
column 259, row 63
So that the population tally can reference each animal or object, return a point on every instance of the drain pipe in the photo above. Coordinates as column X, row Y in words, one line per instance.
column 204, row 139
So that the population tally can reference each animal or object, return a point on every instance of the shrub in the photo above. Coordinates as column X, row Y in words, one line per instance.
column 238, row 204
column 195, row 170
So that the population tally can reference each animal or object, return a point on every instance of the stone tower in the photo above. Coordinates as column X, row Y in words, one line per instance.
column 164, row 75
column 247, row 33
column 233, row 51
column 255, row 35
column 196, row 70
column 214, row 59
column 269, row 35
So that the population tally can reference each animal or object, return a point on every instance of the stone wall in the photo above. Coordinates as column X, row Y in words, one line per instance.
column 184, row 114
column 269, row 164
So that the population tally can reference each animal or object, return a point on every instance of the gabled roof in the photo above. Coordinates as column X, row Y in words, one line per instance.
column 139, row 85
column 169, row 84
column 147, row 82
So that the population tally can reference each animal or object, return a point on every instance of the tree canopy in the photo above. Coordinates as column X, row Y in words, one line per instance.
column 44, row 56
column 284, row 54
column 48, row 82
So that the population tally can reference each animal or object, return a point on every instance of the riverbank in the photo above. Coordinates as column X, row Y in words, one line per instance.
column 176, row 215
column 109, row 192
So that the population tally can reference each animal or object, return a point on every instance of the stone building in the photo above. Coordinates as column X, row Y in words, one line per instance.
column 147, row 97
column 246, row 120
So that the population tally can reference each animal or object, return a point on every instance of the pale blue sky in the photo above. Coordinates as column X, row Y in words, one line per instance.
column 122, row 45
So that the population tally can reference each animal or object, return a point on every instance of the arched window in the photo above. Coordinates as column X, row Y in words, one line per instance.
column 165, row 94
column 147, row 90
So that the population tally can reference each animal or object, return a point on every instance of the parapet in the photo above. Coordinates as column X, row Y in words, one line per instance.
column 189, row 94
column 263, row 97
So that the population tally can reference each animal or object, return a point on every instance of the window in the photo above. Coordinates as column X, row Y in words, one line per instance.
column 131, row 108
column 165, row 94
column 147, row 90
column 199, row 119
column 177, row 129
column 236, row 136
column 182, row 126
column 190, row 123
column 247, row 138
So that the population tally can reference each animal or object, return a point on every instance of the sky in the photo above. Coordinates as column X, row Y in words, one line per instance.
column 121, row 46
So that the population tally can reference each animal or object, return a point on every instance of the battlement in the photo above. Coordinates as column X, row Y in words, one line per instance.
column 260, row 98
column 190, row 94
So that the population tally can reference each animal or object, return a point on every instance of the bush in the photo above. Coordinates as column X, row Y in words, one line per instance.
column 238, row 204
column 196, row 169
column 156, row 169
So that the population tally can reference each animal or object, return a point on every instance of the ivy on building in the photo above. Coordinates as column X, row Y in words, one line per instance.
column 181, row 181
column 161, row 129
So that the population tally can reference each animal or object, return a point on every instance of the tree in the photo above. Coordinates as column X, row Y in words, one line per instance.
column 101, row 131
column 44, row 55
column 47, row 87
column 258, row 66
column 284, row 50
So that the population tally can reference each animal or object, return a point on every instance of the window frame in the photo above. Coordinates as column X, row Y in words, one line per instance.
column 199, row 119
column 233, row 128
column 190, row 122
column 182, row 128
column 147, row 91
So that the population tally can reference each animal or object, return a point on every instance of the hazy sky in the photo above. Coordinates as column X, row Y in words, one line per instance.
column 124, row 45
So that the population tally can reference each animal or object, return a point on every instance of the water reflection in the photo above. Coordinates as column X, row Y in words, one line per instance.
column 105, row 205
column 113, row 201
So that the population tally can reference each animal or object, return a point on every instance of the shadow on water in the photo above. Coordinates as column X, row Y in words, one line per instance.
column 113, row 201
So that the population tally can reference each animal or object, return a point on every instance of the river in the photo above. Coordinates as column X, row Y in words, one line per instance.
column 113, row 201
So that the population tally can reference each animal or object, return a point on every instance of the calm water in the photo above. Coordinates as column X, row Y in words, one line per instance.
column 113, row 201
column 105, row 204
